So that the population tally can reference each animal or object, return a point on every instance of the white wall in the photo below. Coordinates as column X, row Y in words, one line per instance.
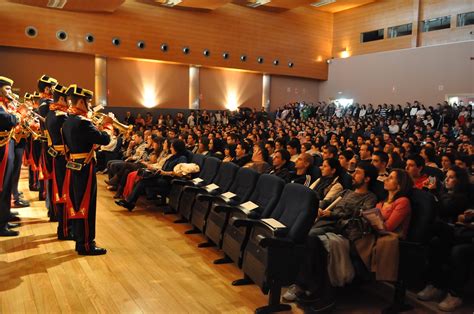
column 426, row 74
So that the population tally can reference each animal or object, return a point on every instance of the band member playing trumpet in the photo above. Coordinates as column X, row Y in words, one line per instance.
column 54, row 121
column 45, row 87
column 8, row 121
column 80, row 135
column 20, row 137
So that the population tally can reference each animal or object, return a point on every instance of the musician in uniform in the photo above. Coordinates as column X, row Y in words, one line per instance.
column 34, row 148
column 8, row 121
column 80, row 135
column 20, row 137
column 45, row 88
column 54, row 121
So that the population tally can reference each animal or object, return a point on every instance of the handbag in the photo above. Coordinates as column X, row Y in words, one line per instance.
column 354, row 228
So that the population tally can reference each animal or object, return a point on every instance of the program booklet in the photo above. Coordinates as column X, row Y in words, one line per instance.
column 375, row 219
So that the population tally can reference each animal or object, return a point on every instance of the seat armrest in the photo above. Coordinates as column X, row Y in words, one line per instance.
column 181, row 182
column 223, row 208
column 275, row 242
column 206, row 197
column 277, row 232
column 238, row 222
column 193, row 188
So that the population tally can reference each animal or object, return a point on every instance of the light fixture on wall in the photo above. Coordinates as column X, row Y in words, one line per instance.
column 141, row 44
column 225, row 55
column 169, row 3
column 257, row 3
column 186, row 50
column 232, row 100
column 206, row 53
column 243, row 58
column 345, row 53
column 164, row 47
column 116, row 41
column 149, row 96
column 89, row 38
column 61, row 35
column 31, row 31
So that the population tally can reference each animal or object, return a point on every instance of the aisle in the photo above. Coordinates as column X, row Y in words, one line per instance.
column 151, row 266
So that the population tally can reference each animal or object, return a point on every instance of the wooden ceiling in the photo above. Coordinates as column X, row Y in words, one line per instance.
column 273, row 5
column 76, row 5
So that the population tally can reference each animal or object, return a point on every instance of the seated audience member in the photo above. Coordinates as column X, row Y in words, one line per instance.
column 429, row 155
column 129, row 119
column 414, row 167
column 270, row 146
column 149, row 158
column 302, row 166
column 229, row 153
column 465, row 162
column 216, row 148
column 447, row 161
column 106, row 150
column 242, row 154
column 345, row 158
column 280, row 168
column 259, row 159
column 294, row 148
column 381, row 253
column 451, row 250
column 328, row 187
column 329, row 151
column 313, row 286
column 191, row 143
column 203, row 146
column 139, row 121
column 365, row 153
column 162, row 180
column 380, row 161
column 395, row 161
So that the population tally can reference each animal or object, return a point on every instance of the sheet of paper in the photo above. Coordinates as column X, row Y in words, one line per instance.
column 248, row 206
column 273, row 223
column 375, row 218
column 197, row 180
column 212, row 187
column 228, row 194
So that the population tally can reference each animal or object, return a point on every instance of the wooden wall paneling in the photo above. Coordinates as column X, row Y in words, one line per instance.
column 301, row 35
column 349, row 24
column 286, row 90
column 26, row 66
column 137, row 83
column 221, row 88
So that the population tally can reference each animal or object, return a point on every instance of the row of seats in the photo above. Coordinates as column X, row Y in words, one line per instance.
column 268, row 251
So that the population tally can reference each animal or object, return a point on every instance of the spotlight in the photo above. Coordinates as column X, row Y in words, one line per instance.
column 186, row 50
column 116, row 41
column 31, row 31
column 141, row 44
column 164, row 47
column 206, row 53
column 89, row 38
column 61, row 35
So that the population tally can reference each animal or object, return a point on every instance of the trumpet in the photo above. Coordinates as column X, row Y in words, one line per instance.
column 100, row 118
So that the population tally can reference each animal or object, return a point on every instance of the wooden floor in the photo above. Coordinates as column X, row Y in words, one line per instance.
column 150, row 267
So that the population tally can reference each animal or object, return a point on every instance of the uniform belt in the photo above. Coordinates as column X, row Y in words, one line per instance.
column 58, row 148
column 77, row 156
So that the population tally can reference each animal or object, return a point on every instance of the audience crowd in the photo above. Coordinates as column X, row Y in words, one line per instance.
column 355, row 158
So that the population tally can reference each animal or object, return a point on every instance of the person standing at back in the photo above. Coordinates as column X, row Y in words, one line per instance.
column 80, row 136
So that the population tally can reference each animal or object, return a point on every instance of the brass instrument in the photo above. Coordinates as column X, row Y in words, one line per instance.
column 99, row 118
column 29, row 118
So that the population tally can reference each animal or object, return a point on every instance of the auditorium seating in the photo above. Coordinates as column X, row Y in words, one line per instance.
column 203, row 200
column 208, row 171
column 273, row 252
column 413, row 248
column 235, row 237
column 215, row 222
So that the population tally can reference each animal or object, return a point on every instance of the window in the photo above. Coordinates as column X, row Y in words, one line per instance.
column 371, row 36
column 400, row 30
column 436, row 24
column 465, row 19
